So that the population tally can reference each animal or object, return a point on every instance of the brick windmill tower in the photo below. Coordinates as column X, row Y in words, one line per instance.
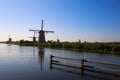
column 41, row 38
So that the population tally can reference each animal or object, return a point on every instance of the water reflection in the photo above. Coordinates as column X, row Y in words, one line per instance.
column 79, row 72
column 41, row 57
column 8, row 44
column 26, row 63
column 86, row 72
column 9, row 48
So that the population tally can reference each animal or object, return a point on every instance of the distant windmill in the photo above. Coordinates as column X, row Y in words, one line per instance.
column 58, row 41
column 34, row 38
column 41, row 38
column 9, row 39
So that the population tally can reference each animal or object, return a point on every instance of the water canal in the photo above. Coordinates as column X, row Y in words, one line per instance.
column 31, row 63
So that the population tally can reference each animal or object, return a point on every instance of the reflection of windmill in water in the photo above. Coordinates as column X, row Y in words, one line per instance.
column 41, row 38
column 41, row 56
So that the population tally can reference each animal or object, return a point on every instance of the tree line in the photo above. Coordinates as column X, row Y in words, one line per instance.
column 111, row 47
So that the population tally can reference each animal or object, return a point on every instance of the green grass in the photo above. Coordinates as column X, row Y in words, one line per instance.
column 110, row 48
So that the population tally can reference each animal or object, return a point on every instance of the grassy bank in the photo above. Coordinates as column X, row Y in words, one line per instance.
column 111, row 48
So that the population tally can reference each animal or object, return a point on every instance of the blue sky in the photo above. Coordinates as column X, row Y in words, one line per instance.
column 87, row 20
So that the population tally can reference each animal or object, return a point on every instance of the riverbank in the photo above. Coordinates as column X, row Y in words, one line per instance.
column 110, row 48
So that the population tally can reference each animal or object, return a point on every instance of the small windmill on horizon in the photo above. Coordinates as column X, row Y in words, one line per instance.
column 34, row 37
column 41, row 38
column 9, row 39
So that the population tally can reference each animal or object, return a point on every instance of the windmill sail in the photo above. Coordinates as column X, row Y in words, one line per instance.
column 42, row 25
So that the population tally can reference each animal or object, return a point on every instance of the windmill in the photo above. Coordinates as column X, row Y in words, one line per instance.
column 9, row 39
column 34, row 38
column 41, row 38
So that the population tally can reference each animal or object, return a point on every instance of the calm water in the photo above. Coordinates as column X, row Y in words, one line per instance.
column 31, row 63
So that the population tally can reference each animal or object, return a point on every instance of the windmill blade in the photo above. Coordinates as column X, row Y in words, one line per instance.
column 49, row 31
column 33, row 30
column 30, row 37
column 36, row 33
column 42, row 25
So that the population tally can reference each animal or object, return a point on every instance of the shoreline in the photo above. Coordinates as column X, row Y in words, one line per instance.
column 103, row 48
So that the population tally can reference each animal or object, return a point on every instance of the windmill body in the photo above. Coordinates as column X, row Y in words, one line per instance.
column 41, row 38
column 34, row 39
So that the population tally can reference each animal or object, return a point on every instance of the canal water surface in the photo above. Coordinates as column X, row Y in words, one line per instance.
column 32, row 63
